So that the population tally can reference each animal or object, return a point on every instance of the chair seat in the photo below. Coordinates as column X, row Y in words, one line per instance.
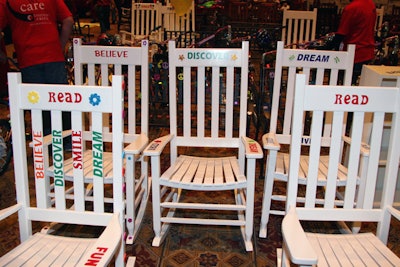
column 351, row 250
column 282, row 168
column 191, row 172
column 48, row 250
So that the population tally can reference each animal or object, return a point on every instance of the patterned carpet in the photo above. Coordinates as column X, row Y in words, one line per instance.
column 185, row 245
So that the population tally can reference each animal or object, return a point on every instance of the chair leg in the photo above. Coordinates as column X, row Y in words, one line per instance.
column 156, row 198
column 266, row 203
column 249, row 201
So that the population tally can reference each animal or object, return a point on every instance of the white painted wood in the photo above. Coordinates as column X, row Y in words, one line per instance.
column 366, row 249
column 146, row 23
column 204, row 119
column 132, row 62
column 319, row 67
column 58, row 208
column 298, row 27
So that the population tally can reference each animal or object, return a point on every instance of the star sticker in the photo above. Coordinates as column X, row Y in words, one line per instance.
column 181, row 57
column 234, row 57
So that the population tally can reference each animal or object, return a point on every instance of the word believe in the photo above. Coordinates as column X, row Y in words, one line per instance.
column 312, row 58
column 111, row 53
column 38, row 157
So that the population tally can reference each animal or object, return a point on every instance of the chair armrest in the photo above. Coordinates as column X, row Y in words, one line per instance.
column 156, row 147
column 270, row 142
column 253, row 148
column 394, row 212
column 4, row 213
column 106, row 245
column 364, row 146
column 138, row 145
column 296, row 243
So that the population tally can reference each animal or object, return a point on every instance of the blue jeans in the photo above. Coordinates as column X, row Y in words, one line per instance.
column 48, row 73
column 52, row 73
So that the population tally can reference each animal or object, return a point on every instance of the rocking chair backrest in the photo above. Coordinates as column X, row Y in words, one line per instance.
column 146, row 21
column 380, row 101
column 208, row 97
column 178, row 23
column 320, row 67
column 298, row 26
column 95, row 64
column 55, row 204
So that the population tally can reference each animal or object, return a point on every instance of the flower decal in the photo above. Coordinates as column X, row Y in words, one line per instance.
column 94, row 99
column 33, row 97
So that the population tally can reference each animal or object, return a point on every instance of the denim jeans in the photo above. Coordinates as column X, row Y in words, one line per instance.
column 48, row 73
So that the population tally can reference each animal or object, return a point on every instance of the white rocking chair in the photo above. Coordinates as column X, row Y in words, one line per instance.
column 208, row 109
column 95, row 65
column 298, row 27
column 320, row 67
column 324, row 249
column 33, row 201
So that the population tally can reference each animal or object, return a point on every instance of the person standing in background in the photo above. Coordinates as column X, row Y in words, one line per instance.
column 40, row 30
column 357, row 26
column 103, row 8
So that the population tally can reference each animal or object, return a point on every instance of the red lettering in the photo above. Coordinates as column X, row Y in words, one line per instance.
column 346, row 99
column 364, row 99
column 96, row 256
column 253, row 147
column 91, row 262
column 52, row 97
column 65, row 97
column 104, row 250
column 338, row 100
column 77, row 149
column 38, row 155
column 111, row 53
column 60, row 97
column 78, row 98
column 351, row 99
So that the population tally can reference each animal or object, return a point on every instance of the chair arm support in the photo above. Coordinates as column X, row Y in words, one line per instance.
column 137, row 146
column 253, row 148
column 270, row 141
column 298, row 247
column 364, row 146
column 4, row 213
column 106, row 245
column 156, row 147
column 394, row 212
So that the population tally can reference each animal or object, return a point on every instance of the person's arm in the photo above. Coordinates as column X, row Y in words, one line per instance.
column 3, row 55
column 66, row 29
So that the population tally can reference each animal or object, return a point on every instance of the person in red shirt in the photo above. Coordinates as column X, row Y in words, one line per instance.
column 38, row 43
column 40, row 30
column 357, row 26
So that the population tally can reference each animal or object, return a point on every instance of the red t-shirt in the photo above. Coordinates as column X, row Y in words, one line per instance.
column 34, row 26
column 357, row 24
